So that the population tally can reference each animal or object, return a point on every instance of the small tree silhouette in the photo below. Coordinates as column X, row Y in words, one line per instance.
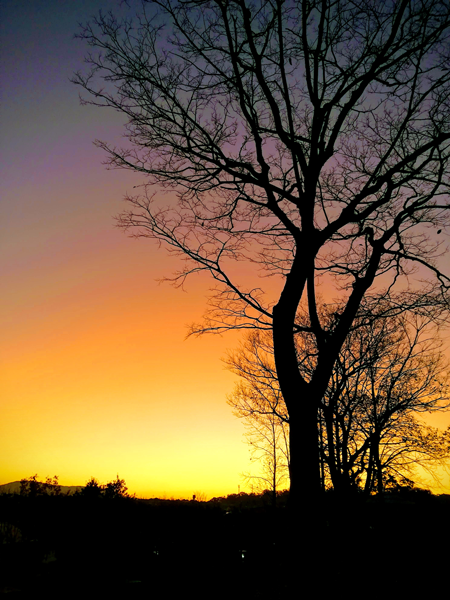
column 92, row 489
column 116, row 489
column 111, row 490
column 32, row 487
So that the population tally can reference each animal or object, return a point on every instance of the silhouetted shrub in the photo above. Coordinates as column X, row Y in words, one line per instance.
column 33, row 487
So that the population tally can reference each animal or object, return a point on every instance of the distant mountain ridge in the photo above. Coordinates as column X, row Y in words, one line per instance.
column 14, row 488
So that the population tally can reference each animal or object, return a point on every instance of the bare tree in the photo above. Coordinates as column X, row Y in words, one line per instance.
column 259, row 393
column 404, row 444
column 258, row 401
column 268, row 442
column 305, row 140
column 388, row 373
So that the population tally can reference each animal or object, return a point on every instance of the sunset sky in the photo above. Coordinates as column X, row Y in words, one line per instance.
column 97, row 378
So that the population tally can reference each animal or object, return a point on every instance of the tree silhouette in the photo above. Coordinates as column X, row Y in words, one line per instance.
column 116, row 489
column 388, row 373
column 308, row 141
column 403, row 444
column 267, row 437
column 112, row 490
column 32, row 487
column 259, row 403
column 92, row 489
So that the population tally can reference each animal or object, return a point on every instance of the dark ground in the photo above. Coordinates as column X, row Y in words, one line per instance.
column 59, row 546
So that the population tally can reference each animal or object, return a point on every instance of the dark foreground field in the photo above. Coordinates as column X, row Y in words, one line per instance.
column 63, row 546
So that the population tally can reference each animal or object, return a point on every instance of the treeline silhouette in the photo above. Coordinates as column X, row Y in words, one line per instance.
column 102, row 542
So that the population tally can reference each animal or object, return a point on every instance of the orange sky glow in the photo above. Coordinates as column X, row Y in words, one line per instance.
column 96, row 376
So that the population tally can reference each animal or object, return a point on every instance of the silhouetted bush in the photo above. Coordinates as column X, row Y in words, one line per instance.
column 112, row 490
column 33, row 487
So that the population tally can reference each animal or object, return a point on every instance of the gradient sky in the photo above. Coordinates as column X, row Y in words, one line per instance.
column 97, row 378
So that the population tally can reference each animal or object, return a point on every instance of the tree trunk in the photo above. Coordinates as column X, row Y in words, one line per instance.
column 331, row 449
column 378, row 467
column 370, row 472
column 304, row 466
column 303, row 565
